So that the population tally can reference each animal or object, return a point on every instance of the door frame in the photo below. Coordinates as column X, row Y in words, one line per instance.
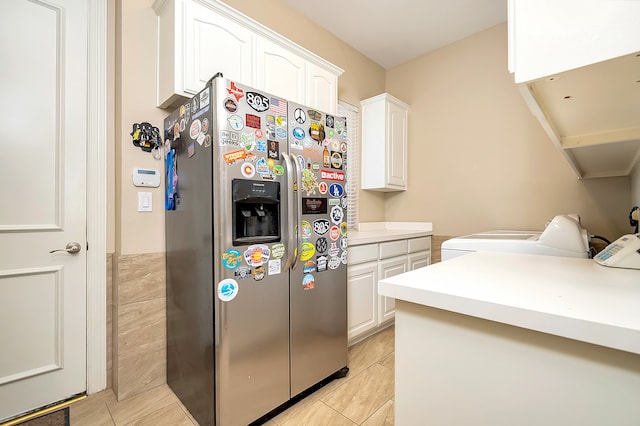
column 96, row 208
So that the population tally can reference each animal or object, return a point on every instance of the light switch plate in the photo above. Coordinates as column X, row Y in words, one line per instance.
column 145, row 201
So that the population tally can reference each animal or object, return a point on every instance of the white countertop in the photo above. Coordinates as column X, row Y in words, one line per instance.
column 572, row 298
column 377, row 232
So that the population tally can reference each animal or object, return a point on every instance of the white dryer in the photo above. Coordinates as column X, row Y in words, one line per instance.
column 563, row 236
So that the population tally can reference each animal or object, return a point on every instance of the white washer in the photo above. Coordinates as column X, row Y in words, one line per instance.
column 563, row 236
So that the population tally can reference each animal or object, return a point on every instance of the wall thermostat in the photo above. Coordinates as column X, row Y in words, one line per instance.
column 146, row 177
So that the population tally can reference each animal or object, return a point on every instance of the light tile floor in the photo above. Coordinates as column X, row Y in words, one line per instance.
column 365, row 397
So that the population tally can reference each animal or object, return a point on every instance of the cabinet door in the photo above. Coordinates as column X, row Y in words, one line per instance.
column 214, row 44
column 389, row 268
column 322, row 89
column 280, row 72
column 397, row 145
column 362, row 286
column 419, row 260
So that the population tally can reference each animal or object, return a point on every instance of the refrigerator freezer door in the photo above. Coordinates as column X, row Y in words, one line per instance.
column 252, row 344
column 318, row 287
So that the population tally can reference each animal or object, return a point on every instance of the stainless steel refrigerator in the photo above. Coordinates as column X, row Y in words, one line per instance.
column 256, row 240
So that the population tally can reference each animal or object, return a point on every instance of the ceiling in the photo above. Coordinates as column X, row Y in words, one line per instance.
column 393, row 32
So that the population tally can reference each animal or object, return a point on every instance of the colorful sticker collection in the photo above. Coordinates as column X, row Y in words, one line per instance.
column 252, row 143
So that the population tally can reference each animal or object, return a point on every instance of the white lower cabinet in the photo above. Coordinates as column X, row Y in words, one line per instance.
column 389, row 268
column 361, row 288
column 367, row 311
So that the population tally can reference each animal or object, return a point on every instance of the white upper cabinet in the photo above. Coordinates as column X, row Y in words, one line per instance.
column 199, row 38
column 577, row 63
column 279, row 71
column 384, row 143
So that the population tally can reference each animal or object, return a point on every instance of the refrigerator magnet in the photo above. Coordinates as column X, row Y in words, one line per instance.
column 227, row 289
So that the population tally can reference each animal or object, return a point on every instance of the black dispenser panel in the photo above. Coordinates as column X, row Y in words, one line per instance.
column 256, row 212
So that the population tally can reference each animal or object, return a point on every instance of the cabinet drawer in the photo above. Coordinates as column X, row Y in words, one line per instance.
column 419, row 244
column 364, row 253
column 393, row 248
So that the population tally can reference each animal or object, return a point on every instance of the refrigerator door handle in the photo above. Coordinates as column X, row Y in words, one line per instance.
column 298, row 231
column 291, row 243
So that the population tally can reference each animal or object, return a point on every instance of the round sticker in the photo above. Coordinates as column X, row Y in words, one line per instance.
column 227, row 289
column 205, row 125
column 248, row 170
column 195, row 128
column 323, row 188
column 334, row 233
column 230, row 105
column 321, row 245
column 231, row 259
column 235, row 121
column 308, row 250
column 300, row 116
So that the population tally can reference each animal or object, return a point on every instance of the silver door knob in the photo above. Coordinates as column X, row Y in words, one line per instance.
column 71, row 248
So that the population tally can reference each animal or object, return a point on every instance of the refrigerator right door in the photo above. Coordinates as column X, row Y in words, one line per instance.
column 318, row 280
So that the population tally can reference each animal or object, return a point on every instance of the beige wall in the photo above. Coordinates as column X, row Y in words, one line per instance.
column 635, row 186
column 478, row 159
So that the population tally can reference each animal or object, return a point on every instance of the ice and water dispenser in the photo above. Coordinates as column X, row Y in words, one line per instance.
column 256, row 211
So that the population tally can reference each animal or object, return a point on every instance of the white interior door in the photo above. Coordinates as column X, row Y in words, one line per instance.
column 43, row 133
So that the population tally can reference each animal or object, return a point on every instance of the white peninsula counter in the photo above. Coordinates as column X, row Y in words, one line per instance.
column 505, row 339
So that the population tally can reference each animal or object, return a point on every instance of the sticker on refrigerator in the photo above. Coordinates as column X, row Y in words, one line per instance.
column 306, row 229
column 314, row 205
column 300, row 116
column 274, row 150
column 334, row 233
column 275, row 266
column 316, row 131
column 227, row 289
column 309, row 267
column 343, row 257
column 231, row 259
column 195, row 104
column 332, row 175
column 309, row 182
column 205, row 125
column 248, row 141
column 308, row 251
column 336, row 160
column 230, row 105
column 334, row 263
column 321, row 263
column 258, row 273
column 314, row 115
column 337, row 214
column 236, row 91
column 343, row 228
column 248, row 170
column 308, row 282
column 278, row 106
column 204, row 98
column 242, row 273
column 334, row 250
column 235, row 121
column 336, row 190
column 343, row 243
column 252, row 121
column 298, row 133
column 262, row 167
column 256, row 255
column 191, row 149
column 278, row 170
column 257, row 101
column 321, row 245
column 277, row 251
column 321, row 226
column 323, row 187
column 328, row 121
column 261, row 146
column 194, row 130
